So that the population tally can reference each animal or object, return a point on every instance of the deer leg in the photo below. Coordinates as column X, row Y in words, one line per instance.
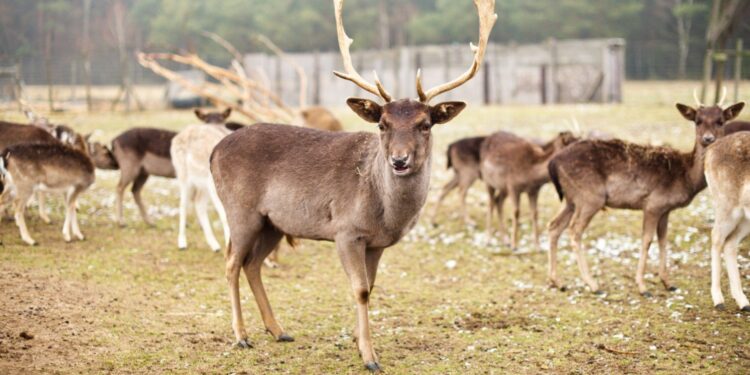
column 661, row 235
column 74, row 215
column 220, row 210
column 581, row 220
column 138, row 183
column 372, row 259
column 515, row 203
column 267, row 241
column 352, row 253
column 650, row 221
column 201, row 210
column 533, row 199
column 126, row 177
column 272, row 261
column 238, row 250
column 730, row 259
column 42, row 209
column 185, row 193
column 463, row 191
column 555, row 229
column 23, row 194
column 724, row 225
column 452, row 184
column 490, row 208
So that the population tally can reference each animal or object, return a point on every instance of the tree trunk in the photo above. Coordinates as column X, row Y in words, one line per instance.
column 87, row 51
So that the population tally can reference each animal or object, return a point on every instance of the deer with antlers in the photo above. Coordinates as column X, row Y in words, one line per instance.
column 363, row 191
column 593, row 174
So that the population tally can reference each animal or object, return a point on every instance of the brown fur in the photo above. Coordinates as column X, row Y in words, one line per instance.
column 320, row 118
column 463, row 158
column 736, row 126
column 510, row 166
column 594, row 174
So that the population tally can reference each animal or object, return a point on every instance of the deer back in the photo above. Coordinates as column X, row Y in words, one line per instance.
column 727, row 165
column 13, row 134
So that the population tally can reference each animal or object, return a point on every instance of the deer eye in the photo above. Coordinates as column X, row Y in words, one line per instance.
column 425, row 127
column 381, row 127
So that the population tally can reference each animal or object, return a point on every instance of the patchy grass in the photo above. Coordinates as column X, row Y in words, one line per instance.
column 127, row 301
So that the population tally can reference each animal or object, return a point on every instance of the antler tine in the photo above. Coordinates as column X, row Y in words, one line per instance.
column 487, row 18
column 695, row 97
column 723, row 96
column 351, row 73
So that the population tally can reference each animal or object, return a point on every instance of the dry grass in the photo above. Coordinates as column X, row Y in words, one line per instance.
column 127, row 301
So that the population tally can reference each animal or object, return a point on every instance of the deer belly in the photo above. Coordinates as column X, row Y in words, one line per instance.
column 158, row 165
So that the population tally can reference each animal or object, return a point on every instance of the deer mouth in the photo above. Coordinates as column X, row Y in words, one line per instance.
column 401, row 170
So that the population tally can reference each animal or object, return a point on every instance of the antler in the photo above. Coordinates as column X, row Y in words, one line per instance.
column 487, row 18
column 351, row 74
column 723, row 96
column 695, row 97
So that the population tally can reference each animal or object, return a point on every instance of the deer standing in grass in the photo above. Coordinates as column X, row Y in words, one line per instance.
column 48, row 167
column 728, row 177
column 463, row 158
column 363, row 191
column 593, row 174
column 510, row 166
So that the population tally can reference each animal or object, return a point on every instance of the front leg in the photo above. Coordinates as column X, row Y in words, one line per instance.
column 42, row 208
column 352, row 252
column 661, row 234
column 650, row 221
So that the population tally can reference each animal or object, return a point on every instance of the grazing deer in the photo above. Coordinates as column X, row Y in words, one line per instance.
column 320, row 118
column 463, row 158
column 138, row 153
column 49, row 167
column 728, row 177
column 363, row 191
column 593, row 174
column 510, row 166
column 191, row 150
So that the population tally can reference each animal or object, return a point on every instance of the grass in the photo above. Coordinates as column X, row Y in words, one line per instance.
column 127, row 301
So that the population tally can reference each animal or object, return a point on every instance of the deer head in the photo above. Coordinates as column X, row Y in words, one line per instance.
column 405, row 125
column 213, row 117
column 709, row 120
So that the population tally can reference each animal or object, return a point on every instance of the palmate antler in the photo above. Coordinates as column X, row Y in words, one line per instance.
column 487, row 18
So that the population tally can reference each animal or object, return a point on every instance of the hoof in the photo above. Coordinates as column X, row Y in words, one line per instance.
column 373, row 366
column 672, row 289
column 599, row 292
column 647, row 294
column 182, row 248
column 745, row 308
column 243, row 344
column 285, row 338
column 720, row 307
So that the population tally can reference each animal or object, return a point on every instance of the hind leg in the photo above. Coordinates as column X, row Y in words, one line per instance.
column 219, row 209
column 661, row 235
column 730, row 259
column 268, row 240
column 555, row 230
column 138, row 183
column 185, row 192
column 464, row 183
column 74, row 220
column 533, row 199
column 515, row 203
column 581, row 219
column 126, row 177
column 42, row 209
column 724, row 225
column 490, row 208
column 650, row 222
column 201, row 210
column 23, row 194
column 452, row 184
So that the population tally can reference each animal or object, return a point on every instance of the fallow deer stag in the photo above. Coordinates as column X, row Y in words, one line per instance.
column 728, row 178
column 594, row 174
column 510, row 166
column 361, row 190
column 463, row 158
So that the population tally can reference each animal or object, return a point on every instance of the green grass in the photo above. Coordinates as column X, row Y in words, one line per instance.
column 127, row 301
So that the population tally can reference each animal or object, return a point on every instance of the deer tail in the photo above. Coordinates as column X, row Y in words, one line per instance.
column 552, row 169
column 448, row 156
column 291, row 240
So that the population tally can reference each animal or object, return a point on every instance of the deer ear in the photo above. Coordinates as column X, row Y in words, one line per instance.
column 446, row 111
column 226, row 113
column 733, row 111
column 686, row 111
column 198, row 113
column 366, row 109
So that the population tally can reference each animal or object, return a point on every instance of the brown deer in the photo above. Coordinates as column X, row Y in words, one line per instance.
column 138, row 153
column 510, row 166
column 362, row 190
column 593, row 174
column 728, row 178
column 48, row 167
column 463, row 158
column 218, row 118
column 320, row 118
column 736, row 126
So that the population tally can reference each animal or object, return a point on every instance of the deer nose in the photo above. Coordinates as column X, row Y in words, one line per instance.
column 709, row 138
column 400, row 161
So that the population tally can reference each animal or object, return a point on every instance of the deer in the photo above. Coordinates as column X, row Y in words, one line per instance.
column 363, row 191
column 463, row 159
column 191, row 150
column 321, row 118
column 33, row 167
column 593, row 174
column 736, row 126
column 728, row 177
column 510, row 166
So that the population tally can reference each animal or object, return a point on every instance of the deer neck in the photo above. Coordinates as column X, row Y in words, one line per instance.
column 695, row 175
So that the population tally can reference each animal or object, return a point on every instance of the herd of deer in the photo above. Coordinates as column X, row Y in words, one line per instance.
column 365, row 191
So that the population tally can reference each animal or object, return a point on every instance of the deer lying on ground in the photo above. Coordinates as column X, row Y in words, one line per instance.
column 594, row 174
column 191, row 150
column 48, row 167
column 320, row 118
column 510, row 166
column 736, row 126
column 363, row 191
column 463, row 158
column 728, row 177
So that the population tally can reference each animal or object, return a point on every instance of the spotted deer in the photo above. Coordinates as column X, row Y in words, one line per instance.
column 34, row 167
column 728, row 178
column 363, row 191
column 510, row 166
column 593, row 174
column 463, row 159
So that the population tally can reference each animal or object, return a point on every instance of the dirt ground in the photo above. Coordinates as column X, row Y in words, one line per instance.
column 126, row 301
